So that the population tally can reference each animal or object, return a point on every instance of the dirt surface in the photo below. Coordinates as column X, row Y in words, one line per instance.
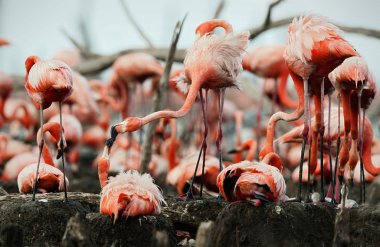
column 288, row 224
column 52, row 222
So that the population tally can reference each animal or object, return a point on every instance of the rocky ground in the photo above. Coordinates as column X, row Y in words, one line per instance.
column 49, row 221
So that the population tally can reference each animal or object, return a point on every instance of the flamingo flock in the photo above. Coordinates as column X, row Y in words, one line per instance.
column 337, row 141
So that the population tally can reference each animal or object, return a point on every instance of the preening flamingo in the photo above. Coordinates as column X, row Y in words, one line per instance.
column 50, row 178
column 314, row 48
column 47, row 82
column 213, row 62
column 351, row 79
column 128, row 194
column 251, row 180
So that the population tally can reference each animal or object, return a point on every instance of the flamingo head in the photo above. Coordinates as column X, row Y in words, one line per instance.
column 128, row 125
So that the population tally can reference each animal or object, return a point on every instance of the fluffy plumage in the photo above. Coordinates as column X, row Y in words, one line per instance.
column 130, row 194
column 236, row 182
column 50, row 179
column 221, row 54
column 47, row 81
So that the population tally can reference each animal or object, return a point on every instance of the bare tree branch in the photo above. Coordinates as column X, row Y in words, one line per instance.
column 160, row 97
column 219, row 9
column 134, row 23
column 268, row 20
column 85, row 52
column 100, row 63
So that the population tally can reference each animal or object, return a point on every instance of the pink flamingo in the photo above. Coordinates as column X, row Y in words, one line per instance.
column 128, row 194
column 47, row 82
column 50, row 178
column 351, row 79
column 213, row 62
column 315, row 47
column 251, row 180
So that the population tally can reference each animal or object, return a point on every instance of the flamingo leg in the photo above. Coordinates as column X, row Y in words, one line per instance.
column 362, row 178
column 361, row 131
column 204, row 109
column 312, row 148
column 322, row 132
column 220, row 130
column 332, row 178
column 337, row 156
column 189, row 194
column 40, row 146
column 258, row 121
column 305, row 134
column 61, row 149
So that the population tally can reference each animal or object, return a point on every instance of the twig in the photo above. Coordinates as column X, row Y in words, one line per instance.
column 219, row 9
column 256, row 31
column 158, row 101
column 273, row 4
column 134, row 23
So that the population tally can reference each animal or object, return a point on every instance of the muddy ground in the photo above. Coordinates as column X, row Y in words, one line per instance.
column 52, row 222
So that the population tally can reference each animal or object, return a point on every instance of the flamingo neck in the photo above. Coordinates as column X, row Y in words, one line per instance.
column 283, row 92
column 268, row 147
column 367, row 145
column 30, row 61
column 209, row 26
column 185, row 108
column 54, row 129
column 103, row 167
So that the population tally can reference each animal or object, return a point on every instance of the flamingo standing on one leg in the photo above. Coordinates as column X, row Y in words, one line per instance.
column 315, row 47
column 50, row 178
column 47, row 82
column 213, row 62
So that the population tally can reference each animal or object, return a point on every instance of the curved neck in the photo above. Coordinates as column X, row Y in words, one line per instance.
column 209, row 26
column 298, row 83
column 54, row 129
column 367, row 145
column 189, row 101
column 283, row 92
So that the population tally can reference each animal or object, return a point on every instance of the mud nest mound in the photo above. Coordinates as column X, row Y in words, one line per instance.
column 45, row 222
